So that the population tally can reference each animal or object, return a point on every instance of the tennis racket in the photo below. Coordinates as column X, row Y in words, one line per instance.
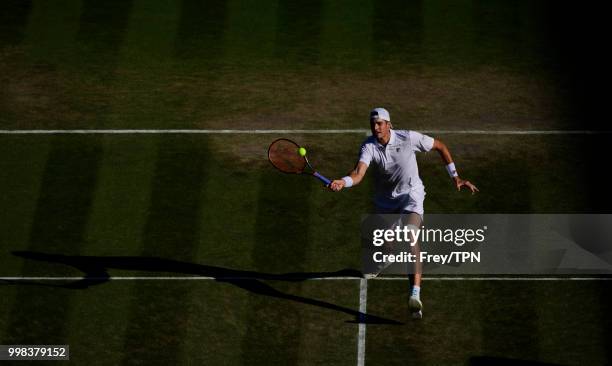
column 284, row 155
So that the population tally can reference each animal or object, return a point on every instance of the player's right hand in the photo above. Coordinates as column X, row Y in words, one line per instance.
column 336, row 185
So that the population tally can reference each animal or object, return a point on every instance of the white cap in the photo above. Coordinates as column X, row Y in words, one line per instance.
column 380, row 113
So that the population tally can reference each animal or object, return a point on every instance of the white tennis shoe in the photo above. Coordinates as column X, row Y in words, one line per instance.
column 416, row 307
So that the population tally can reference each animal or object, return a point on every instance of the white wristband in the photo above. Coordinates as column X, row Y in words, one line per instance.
column 348, row 181
column 450, row 168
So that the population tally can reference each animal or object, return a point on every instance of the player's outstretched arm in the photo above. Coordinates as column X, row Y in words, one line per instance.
column 450, row 166
column 356, row 175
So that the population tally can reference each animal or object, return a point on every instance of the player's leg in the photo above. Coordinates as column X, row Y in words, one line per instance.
column 414, row 221
column 389, row 245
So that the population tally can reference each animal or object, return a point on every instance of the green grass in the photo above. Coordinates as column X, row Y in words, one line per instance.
column 306, row 65
column 213, row 205
column 155, row 322
column 197, row 199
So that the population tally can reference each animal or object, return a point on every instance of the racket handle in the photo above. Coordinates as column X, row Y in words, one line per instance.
column 322, row 178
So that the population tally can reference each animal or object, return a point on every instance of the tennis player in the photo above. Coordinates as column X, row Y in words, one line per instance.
column 398, row 187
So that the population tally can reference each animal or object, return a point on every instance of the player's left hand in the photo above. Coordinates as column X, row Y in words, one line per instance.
column 460, row 183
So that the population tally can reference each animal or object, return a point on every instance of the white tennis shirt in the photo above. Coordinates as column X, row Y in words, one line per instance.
column 396, row 174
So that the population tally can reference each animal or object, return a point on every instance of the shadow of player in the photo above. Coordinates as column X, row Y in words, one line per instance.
column 96, row 269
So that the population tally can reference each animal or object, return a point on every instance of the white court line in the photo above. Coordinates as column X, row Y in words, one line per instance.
column 172, row 131
column 221, row 278
column 272, row 131
column 361, row 336
column 500, row 278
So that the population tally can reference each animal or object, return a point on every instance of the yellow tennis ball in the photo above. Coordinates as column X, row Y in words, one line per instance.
column 302, row 151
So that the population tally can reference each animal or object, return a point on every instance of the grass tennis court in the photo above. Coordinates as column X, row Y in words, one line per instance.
column 211, row 205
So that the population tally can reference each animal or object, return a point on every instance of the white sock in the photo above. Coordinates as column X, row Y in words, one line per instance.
column 416, row 291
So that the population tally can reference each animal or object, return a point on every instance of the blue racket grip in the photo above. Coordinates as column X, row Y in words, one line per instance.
column 322, row 178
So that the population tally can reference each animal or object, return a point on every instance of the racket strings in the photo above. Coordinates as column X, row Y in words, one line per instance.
column 283, row 154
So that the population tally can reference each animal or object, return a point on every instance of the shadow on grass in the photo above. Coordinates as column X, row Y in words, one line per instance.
column 96, row 273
